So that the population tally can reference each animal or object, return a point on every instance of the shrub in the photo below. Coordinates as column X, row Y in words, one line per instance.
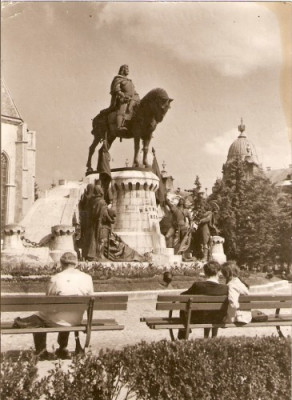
column 26, row 269
column 104, row 271
column 221, row 368
column 88, row 378
column 18, row 378
column 236, row 368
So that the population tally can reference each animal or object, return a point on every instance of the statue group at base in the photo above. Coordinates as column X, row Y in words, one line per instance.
column 128, row 117
column 97, row 240
column 188, row 238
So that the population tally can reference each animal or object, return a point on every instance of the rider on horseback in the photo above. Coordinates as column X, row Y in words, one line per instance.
column 124, row 97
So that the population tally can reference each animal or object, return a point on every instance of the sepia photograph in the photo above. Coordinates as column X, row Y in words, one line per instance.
column 146, row 200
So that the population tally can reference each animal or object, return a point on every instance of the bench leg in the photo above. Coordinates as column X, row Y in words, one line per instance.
column 40, row 342
column 78, row 348
column 278, row 327
column 89, row 321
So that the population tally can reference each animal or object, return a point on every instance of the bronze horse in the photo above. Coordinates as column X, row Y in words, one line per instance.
column 147, row 113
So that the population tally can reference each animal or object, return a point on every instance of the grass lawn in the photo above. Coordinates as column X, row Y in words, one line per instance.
column 127, row 284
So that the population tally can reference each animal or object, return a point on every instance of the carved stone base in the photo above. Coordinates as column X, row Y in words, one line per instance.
column 12, row 243
column 217, row 249
column 62, row 241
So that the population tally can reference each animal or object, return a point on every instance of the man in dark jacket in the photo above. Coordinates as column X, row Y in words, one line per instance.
column 209, row 287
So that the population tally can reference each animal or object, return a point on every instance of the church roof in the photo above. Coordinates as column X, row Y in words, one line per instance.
column 8, row 108
column 278, row 176
column 242, row 148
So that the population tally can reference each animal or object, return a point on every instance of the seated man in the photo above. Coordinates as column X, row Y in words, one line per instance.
column 209, row 287
column 70, row 281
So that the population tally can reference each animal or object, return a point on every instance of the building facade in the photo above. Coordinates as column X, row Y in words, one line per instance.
column 18, row 154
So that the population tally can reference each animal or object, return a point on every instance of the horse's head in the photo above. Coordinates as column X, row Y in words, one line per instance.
column 159, row 103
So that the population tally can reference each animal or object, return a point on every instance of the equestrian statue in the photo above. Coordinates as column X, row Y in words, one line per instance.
column 129, row 117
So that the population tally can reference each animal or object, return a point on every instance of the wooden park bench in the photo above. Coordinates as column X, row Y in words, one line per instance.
column 34, row 303
column 191, row 303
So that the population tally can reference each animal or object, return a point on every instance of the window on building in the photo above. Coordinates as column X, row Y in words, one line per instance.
column 4, row 181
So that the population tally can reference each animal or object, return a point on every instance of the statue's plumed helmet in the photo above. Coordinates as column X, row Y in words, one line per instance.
column 122, row 67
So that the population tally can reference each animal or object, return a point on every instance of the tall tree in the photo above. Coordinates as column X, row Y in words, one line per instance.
column 284, row 200
column 248, row 218
column 198, row 200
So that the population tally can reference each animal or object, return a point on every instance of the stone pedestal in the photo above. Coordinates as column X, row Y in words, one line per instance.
column 137, row 221
column 61, row 241
column 217, row 249
column 12, row 243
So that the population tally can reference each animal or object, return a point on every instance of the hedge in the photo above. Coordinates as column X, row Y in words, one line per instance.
column 238, row 368
column 104, row 270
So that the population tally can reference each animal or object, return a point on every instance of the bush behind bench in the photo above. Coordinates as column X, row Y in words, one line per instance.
column 238, row 368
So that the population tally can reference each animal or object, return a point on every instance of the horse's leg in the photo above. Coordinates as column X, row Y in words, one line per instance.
column 136, row 151
column 145, row 152
column 110, row 141
column 92, row 148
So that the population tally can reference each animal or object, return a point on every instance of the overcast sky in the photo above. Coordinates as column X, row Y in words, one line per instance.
column 218, row 61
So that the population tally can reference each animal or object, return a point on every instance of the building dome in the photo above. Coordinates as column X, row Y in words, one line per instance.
column 242, row 148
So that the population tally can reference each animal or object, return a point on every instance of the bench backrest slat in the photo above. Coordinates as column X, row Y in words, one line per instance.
column 44, row 307
column 219, row 302
column 62, row 303
column 37, row 300
column 194, row 306
column 211, row 299
column 110, row 306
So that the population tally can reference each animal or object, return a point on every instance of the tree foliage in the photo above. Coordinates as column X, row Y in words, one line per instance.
column 284, row 201
column 198, row 200
column 249, row 217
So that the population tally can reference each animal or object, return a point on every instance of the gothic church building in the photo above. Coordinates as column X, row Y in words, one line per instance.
column 18, row 152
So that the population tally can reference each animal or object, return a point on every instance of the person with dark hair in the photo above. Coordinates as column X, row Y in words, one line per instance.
column 70, row 281
column 236, row 287
column 167, row 279
column 209, row 287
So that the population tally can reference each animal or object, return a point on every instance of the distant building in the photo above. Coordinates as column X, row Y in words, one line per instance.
column 242, row 149
column 17, row 162
column 166, row 179
column 281, row 178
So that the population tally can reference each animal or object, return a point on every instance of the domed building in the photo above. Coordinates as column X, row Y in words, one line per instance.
column 243, row 150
